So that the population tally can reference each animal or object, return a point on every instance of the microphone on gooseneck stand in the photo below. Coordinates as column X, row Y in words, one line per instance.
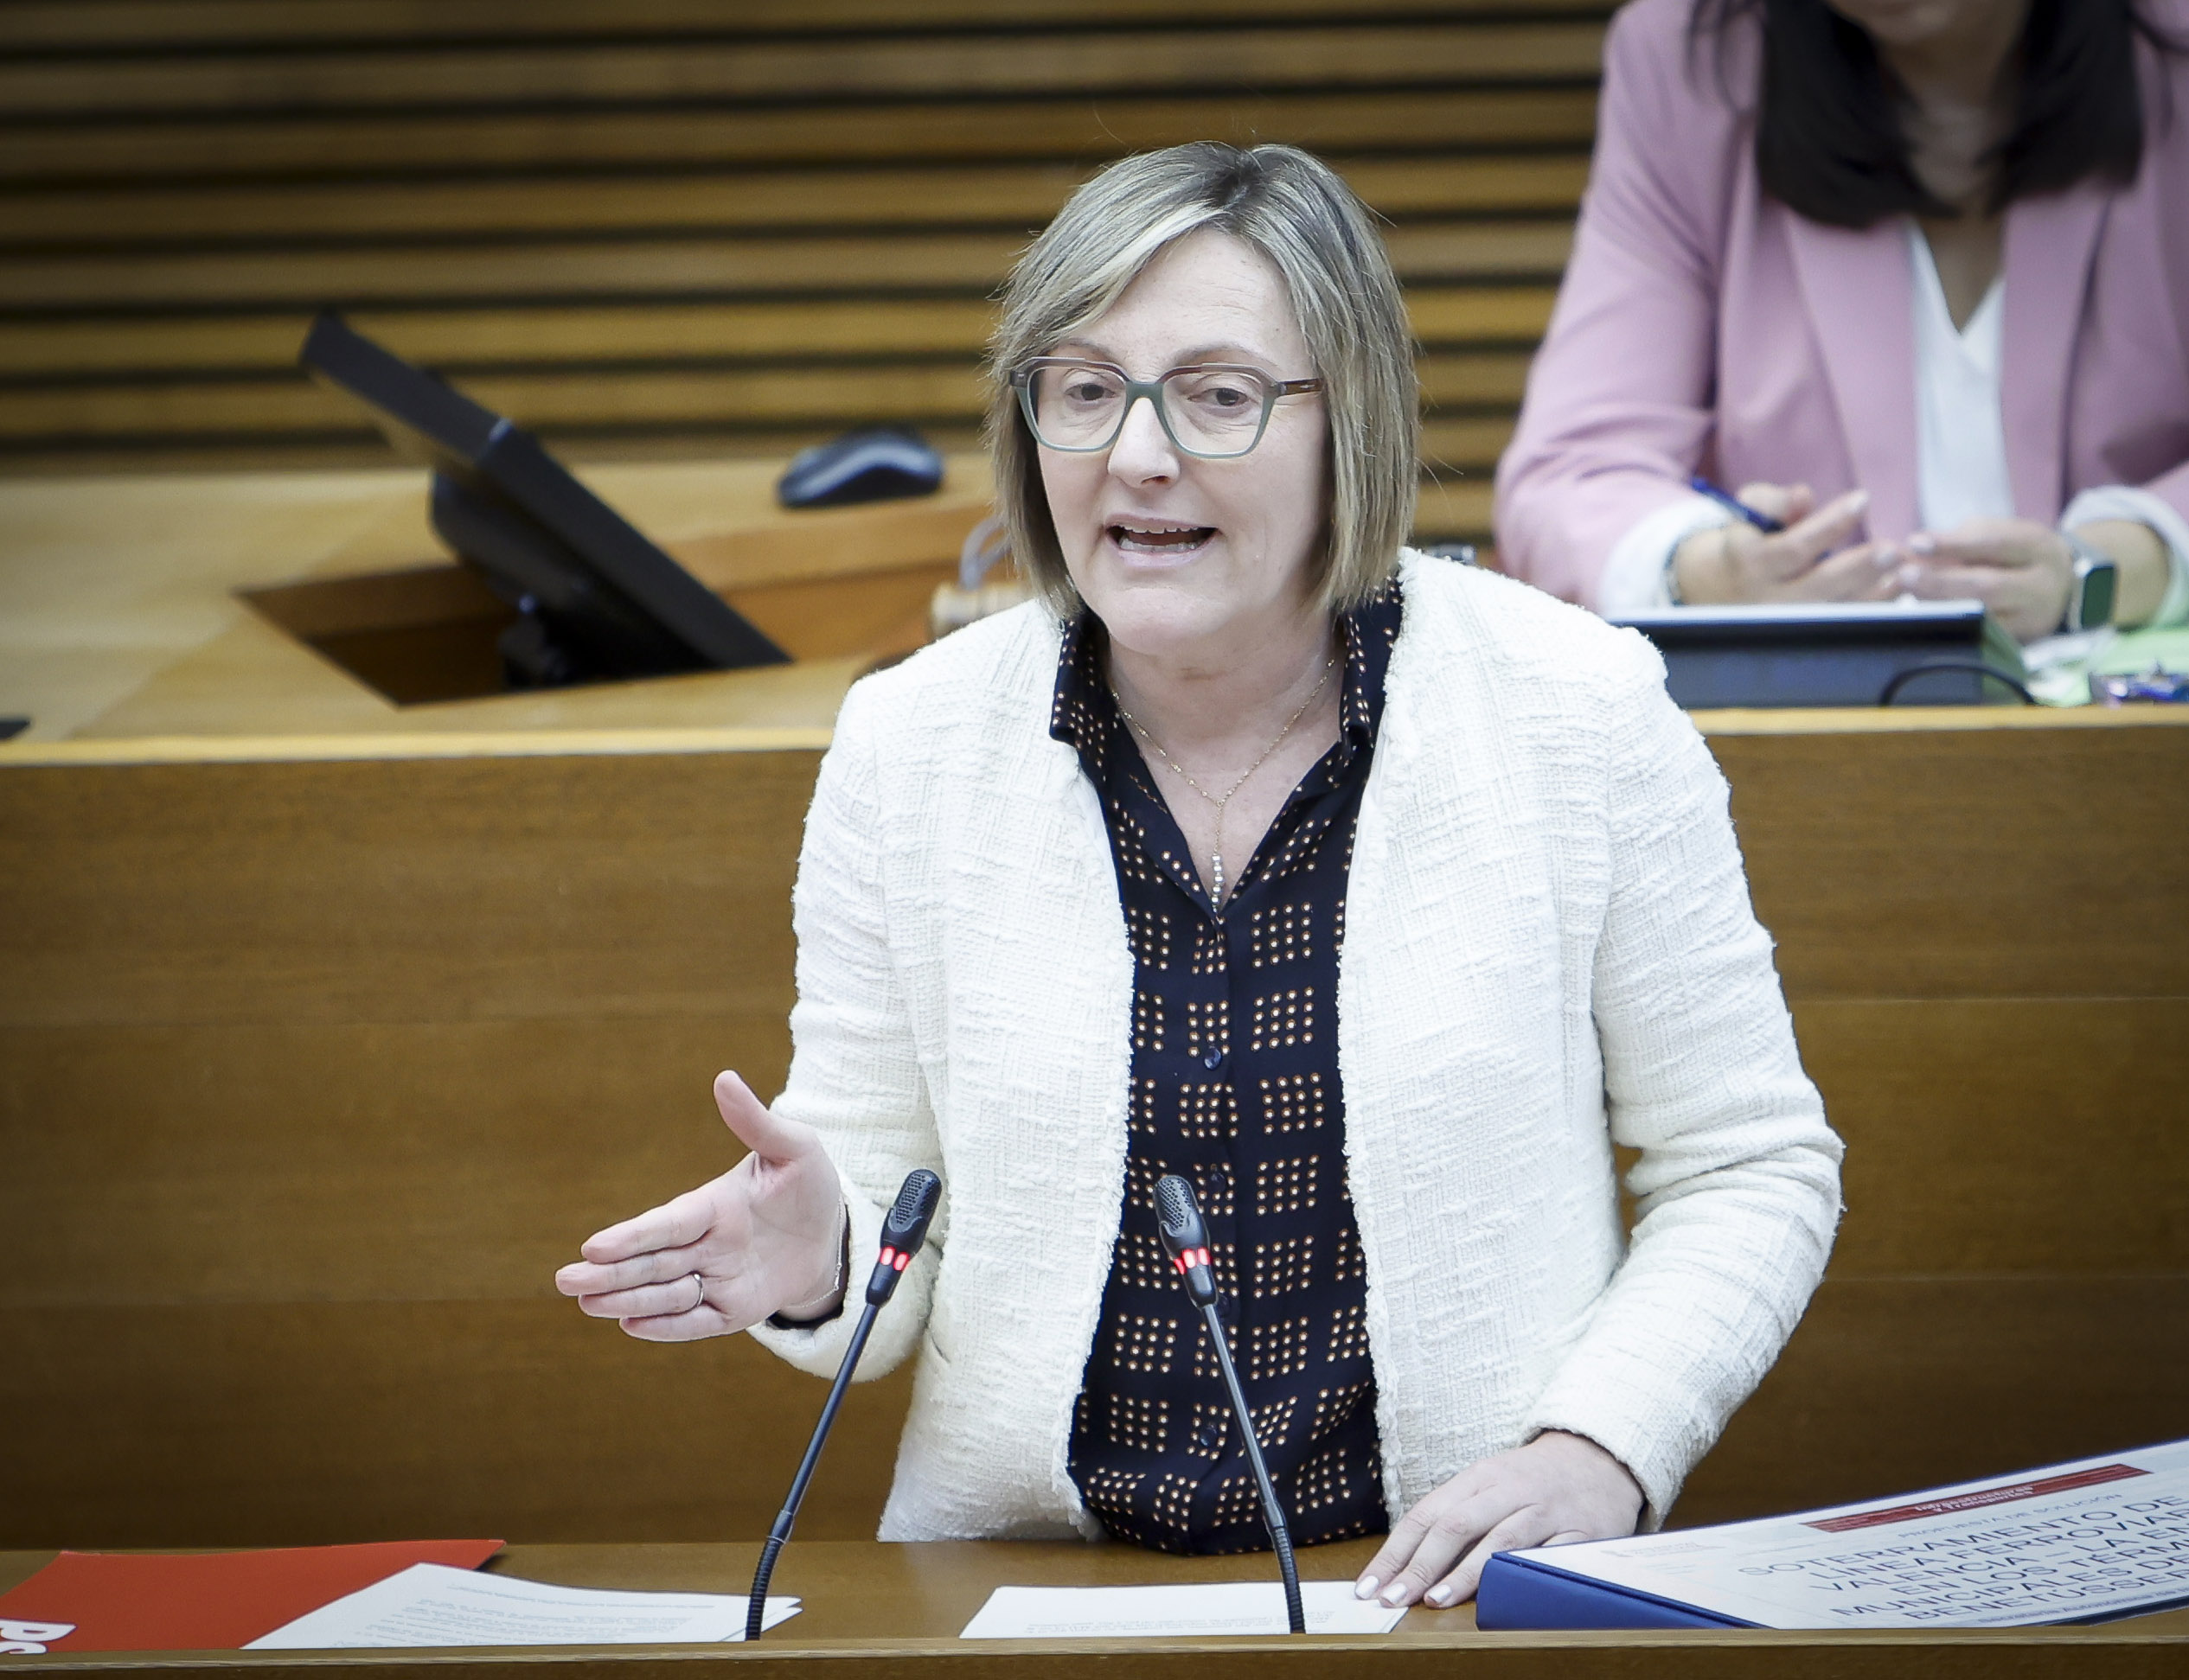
column 1186, row 1241
column 902, row 1232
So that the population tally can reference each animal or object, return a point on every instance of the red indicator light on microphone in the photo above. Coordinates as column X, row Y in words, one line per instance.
column 901, row 1262
column 888, row 1256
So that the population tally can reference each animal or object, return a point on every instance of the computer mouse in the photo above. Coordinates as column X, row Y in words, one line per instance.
column 860, row 466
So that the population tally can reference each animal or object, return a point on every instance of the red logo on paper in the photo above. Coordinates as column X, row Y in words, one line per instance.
column 1990, row 1496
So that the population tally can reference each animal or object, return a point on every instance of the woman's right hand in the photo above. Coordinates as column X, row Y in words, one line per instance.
column 1806, row 561
column 765, row 1238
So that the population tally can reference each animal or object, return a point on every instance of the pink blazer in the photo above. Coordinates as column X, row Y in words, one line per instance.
column 1703, row 326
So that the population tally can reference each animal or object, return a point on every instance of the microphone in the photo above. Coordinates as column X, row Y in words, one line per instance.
column 1186, row 1241
column 902, row 1232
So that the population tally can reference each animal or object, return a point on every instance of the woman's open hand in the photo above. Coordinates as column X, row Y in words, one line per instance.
column 1557, row 1488
column 767, row 1237
column 1814, row 558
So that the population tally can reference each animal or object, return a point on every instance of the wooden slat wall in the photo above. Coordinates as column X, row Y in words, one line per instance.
column 692, row 226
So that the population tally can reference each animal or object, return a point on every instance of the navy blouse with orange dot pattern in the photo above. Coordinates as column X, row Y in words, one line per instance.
column 1235, row 1085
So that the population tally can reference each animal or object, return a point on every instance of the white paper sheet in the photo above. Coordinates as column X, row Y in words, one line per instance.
column 430, row 1604
column 1228, row 1607
column 2099, row 1538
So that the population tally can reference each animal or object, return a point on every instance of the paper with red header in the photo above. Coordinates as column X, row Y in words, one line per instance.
column 2083, row 1542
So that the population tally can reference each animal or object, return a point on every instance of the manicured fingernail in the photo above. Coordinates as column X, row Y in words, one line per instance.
column 1908, row 577
column 1365, row 1588
column 1394, row 1595
column 1861, row 501
column 1887, row 558
column 1440, row 1596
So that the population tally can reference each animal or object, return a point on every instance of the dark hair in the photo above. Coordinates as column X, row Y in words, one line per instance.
column 1829, row 142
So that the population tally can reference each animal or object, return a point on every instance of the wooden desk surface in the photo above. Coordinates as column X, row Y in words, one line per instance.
column 896, row 1610
column 121, row 616
column 121, row 623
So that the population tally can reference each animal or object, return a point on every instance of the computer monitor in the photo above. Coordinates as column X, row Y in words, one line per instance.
column 1933, row 653
column 596, row 601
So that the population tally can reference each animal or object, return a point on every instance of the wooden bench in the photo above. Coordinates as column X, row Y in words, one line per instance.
column 322, row 1055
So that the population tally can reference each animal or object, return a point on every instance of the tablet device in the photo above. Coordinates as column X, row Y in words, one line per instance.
column 1927, row 653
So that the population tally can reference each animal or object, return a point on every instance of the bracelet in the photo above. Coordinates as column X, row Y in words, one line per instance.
column 843, row 1276
column 1672, row 565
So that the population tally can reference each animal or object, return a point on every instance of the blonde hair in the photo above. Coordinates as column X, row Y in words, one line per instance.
column 1296, row 212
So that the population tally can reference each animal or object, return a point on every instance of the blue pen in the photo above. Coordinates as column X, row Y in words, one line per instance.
column 1733, row 504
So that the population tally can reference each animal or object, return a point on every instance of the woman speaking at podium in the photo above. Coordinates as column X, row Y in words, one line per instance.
column 1377, row 895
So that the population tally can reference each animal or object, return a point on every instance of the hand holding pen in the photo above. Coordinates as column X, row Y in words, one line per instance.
column 1732, row 504
column 1781, row 546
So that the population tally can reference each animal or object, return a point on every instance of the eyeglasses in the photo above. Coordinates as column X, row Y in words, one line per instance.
column 1213, row 410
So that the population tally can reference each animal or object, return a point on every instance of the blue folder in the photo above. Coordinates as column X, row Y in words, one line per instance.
column 1519, row 1593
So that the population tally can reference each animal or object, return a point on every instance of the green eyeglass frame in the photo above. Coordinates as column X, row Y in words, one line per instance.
column 1022, row 382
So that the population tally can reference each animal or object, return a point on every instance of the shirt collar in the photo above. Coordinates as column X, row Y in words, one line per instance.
column 1084, row 714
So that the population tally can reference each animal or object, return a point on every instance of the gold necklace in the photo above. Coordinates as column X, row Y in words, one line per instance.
column 1216, row 852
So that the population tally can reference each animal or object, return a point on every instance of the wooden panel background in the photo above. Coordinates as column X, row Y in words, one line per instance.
column 312, row 1072
column 694, row 227
column 1984, row 935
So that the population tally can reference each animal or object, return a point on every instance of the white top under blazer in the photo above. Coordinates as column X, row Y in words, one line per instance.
column 1961, row 459
column 1548, row 947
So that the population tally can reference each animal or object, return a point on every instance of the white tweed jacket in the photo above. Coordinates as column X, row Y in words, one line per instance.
column 1549, row 948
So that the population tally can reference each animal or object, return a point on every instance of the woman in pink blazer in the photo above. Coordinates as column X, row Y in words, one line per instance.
column 1959, row 368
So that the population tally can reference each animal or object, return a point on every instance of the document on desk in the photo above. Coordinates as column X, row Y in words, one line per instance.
column 2087, row 1540
column 1188, row 1608
column 429, row 1605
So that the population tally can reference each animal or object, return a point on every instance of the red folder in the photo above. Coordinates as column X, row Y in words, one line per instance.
column 210, row 1601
